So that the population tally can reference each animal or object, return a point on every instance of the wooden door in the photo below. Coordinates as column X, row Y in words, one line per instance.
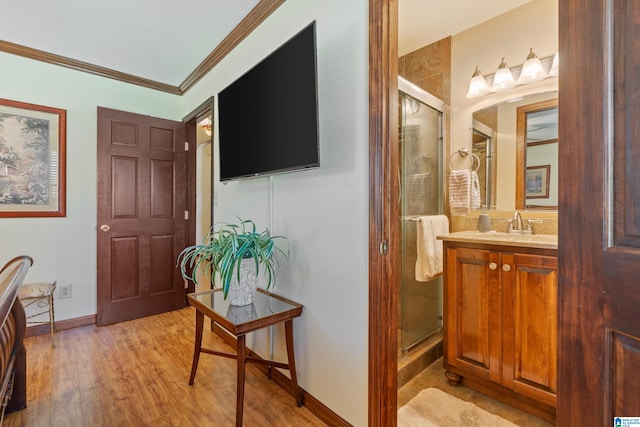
column 530, row 306
column 141, row 215
column 599, row 212
column 472, row 321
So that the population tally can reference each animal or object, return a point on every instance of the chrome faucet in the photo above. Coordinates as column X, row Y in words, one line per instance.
column 515, row 224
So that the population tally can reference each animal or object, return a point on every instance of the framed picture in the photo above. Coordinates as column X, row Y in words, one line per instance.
column 537, row 182
column 32, row 160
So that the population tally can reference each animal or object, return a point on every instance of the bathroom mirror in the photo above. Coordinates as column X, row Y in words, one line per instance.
column 537, row 155
column 484, row 147
column 514, row 157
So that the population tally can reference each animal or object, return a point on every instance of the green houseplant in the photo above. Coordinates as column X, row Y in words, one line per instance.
column 234, row 253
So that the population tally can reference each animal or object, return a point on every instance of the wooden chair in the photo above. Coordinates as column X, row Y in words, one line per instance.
column 40, row 294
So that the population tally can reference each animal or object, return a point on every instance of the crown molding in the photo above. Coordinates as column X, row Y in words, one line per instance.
column 257, row 15
column 63, row 61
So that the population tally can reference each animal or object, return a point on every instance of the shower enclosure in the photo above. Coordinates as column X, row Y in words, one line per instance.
column 421, row 172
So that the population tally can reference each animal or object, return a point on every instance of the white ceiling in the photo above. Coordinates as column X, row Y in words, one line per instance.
column 165, row 41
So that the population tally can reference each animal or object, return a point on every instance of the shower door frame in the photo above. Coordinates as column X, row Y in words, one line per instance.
column 436, row 104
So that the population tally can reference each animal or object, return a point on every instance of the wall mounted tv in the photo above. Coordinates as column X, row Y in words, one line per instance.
column 268, row 118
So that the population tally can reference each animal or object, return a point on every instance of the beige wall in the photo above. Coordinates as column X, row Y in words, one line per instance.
column 509, row 35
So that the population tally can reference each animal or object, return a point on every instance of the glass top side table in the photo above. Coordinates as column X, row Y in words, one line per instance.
column 267, row 309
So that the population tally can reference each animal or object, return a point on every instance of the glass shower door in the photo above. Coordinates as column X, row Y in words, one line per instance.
column 421, row 194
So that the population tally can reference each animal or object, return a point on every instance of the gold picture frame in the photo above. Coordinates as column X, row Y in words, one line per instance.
column 32, row 160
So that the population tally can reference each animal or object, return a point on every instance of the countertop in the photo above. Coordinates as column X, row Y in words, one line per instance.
column 541, row 241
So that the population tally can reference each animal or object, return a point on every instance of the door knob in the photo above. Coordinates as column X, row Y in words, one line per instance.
column 105, row 228
column 506, row 267
column 493, row 266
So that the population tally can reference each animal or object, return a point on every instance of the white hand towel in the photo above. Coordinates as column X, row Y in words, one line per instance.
column 420, row 198
column 460, row 191
column 429, row 263
column 475, row 190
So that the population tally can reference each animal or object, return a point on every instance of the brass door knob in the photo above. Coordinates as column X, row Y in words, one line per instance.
column 493, row 266
column 105, row 228
column 506, row 267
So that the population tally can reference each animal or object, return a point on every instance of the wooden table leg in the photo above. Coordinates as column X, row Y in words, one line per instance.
column 288, row 332
column 241, row 359
column 197, row 345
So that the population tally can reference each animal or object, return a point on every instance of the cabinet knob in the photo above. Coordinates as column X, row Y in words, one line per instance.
column 506, row 267
column 493, row 266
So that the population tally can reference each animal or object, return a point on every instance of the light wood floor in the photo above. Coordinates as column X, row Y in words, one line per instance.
column 136, row 373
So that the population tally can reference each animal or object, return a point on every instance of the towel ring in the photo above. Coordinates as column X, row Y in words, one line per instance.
column 424, row 159
column 464, row 153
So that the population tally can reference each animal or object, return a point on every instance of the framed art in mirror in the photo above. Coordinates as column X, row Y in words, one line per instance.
column 32, row 160
column 537, row 182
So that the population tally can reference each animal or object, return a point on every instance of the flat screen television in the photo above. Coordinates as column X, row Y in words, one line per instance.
column 268, row 118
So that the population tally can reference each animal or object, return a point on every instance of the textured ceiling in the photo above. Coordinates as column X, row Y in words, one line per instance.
column 165, row 41
column 160, row 40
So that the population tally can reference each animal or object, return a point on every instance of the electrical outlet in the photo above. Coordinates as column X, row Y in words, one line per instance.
column 64, row 292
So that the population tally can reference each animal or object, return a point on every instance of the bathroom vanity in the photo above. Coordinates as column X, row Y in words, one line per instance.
column 500, row 317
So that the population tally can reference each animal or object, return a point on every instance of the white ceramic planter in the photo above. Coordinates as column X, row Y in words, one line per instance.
column 241, row 292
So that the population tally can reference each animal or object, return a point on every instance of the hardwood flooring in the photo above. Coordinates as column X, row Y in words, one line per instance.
column 136, row 373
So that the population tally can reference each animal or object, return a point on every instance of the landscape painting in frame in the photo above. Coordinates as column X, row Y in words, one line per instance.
column 32, row 160
column 537, row 181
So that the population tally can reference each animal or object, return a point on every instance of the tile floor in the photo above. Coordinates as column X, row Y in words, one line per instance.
column 433, row 376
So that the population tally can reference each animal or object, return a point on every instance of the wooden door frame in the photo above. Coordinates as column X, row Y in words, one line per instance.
column 190, row 122
column 383, row 219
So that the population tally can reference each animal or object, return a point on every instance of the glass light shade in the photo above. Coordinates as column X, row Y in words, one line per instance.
column 205, row 125
column 532, row 70
column 478, row 85
column 503, row 79
column 554, row 71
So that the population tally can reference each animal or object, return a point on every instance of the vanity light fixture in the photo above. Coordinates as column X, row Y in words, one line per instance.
column 478, row 85
column 531, row 70
column 503, row 79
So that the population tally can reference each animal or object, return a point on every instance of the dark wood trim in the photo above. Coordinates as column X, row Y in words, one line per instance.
column 315, row 406
column 239, row 33
column 61, row 325
column 383, row 217
column 198, row 112
column 582, row 211
column 547, row 141
column 259, row 13
column 191, row 122
column 85, row 67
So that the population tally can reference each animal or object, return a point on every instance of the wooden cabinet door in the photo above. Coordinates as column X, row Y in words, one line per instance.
column 530, row 307
column 472, row 320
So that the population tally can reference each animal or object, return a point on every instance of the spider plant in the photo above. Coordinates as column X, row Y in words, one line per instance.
column 223, row 249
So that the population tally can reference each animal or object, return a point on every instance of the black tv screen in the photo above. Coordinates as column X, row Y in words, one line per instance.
column 268, row 118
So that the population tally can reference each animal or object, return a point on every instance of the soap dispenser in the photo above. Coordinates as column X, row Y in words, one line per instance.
column 484, row 221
